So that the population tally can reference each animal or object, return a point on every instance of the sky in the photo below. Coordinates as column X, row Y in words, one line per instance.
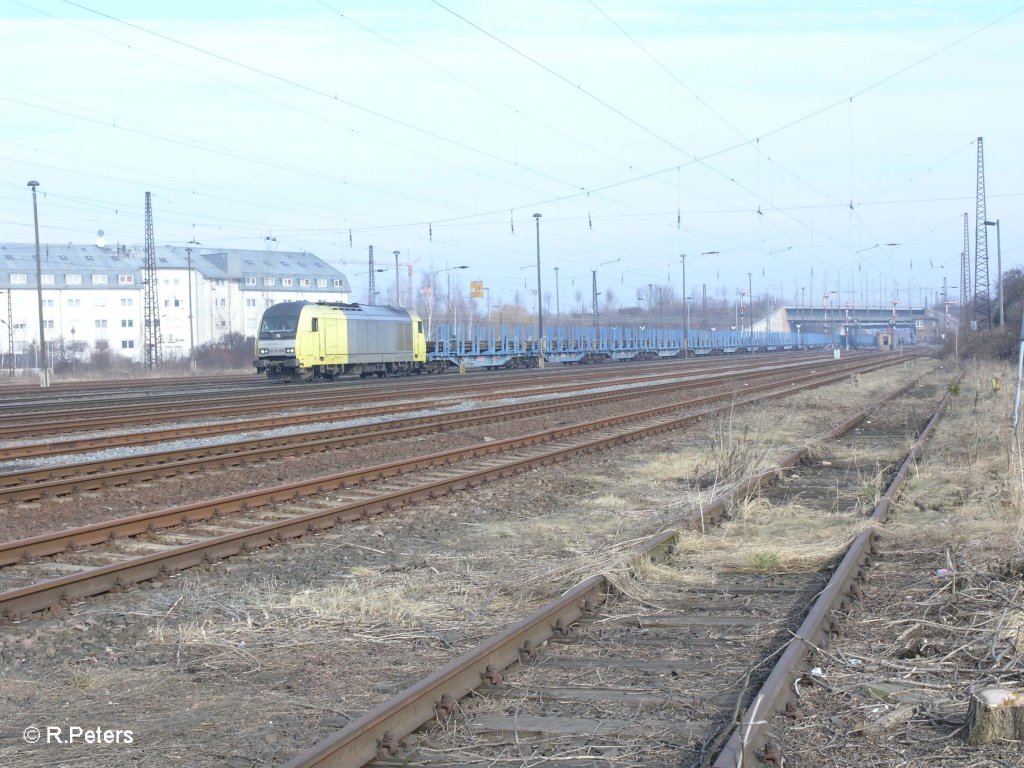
column 792, row 149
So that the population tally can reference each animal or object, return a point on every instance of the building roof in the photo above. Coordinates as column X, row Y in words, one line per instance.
column 210, row 263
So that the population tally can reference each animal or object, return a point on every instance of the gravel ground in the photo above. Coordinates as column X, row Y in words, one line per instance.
column 244, row 663
column 942, row 613
column 22, row 520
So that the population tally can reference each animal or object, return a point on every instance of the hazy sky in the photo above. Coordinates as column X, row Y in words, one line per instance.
column 785, row 136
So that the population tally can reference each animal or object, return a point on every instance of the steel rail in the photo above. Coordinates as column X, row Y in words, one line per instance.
column 141, row 410
column 65, row 589
column 816, row 630
column 76, row 387
column 55, row 480
column 79, row 445
column 378, row 733
column 97, row 533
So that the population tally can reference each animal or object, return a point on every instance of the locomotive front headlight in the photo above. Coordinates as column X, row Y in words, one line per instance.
column 290, row 351
column 264, row 351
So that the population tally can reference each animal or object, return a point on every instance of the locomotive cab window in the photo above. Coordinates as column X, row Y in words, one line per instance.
column 316, row 325
column 278, row 327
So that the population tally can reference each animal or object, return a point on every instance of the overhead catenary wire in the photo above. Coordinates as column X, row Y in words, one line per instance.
column 369, row 226
column 531, row 203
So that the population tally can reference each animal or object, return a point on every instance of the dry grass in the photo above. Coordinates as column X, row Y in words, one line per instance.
column 969, row 491
column 620, row 512
column 84, row 678
column 326, row 636
column 765, row 538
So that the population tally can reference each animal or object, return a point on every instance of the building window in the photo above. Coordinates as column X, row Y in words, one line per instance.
column 127, row 344
column 304, row 282
column 47, row 279
column 125, row 279
column 101, row 323
column 102, row 344
column 337, row 283
column 73, row 279
column 268, row 281
column 127, row 301
column 287, row 282
column 19, row 279
column 47, row 302
column 321, row 282
column 48, row 325
column 127, row 323
column 99, row 279
column 222, row 302
column 74, row 302
column 250, row 302
column 250, row 281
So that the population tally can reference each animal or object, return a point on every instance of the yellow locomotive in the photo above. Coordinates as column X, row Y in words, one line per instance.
column 303, row 340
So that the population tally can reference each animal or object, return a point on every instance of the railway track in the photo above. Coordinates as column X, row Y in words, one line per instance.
column 114, row 387
column 76, row 477
column 242, row 522
column 650, row 670
column 305, row 405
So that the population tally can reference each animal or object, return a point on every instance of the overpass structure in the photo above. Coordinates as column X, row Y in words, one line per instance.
column 860, row 326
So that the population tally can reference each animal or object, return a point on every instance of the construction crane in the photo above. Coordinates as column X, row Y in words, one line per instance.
column 408, row 286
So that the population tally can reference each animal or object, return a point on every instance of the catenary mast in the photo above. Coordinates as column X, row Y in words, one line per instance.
column 151, row 340
column 982, row 300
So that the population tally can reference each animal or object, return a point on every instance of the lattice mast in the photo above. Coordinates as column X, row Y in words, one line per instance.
column 982, row 299
column 10, row 336
column 966, row 296
column 372, row 282
column 151, row 311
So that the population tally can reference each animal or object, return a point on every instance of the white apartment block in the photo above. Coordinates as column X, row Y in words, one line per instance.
column 94, row 297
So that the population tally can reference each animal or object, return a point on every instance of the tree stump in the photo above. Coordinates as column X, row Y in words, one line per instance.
column 995, row 715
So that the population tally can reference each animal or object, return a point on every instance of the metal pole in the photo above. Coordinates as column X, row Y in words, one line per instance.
column 1020, row 366
column 750, row 303
column 540, row 309
column 999, row 269
column 191, row 325
column 10, row 335
column 44, row 370
column 687, row 332
column 558, row 308
column 686, row 325
column 398, row 290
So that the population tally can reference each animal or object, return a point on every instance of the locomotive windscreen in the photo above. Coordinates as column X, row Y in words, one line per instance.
column 280, row 321
column 278, row 328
